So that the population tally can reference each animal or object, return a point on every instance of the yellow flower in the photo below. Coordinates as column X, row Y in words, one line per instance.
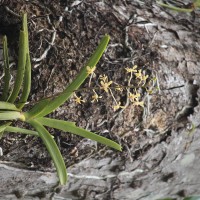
column 118, row 87
column 117, row 106
column 138, row 103
column 95, row 97
column 90, row 70
column 139, row 74
column 133, row 69
column 144, row 78
column 104, row 83
column 133, row 97
column 78, row 100
column 104, row 78
column 149, row 91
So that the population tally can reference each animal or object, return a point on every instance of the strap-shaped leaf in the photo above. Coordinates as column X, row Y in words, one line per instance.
column 1, row 134
column 192, row 198
column 20, row 130
column 7, row 106
column 27, row 73
column 175, row 8
column 36, row 110
column 10, row 115
column 196, row 3
column 6, row 70
column 52, row 149
column 3, row 127
column 59, row 100
column 21, row 67
column 24, row 23
column 69, row 127
column 26, row 84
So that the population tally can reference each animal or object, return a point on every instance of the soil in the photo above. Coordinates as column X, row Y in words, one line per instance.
column 160, row 141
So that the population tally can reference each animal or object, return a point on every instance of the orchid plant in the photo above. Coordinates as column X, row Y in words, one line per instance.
column 13, row 101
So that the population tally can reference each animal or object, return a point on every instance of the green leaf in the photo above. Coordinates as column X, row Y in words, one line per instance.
column 6, row 70
column 1, row 134
column 69, row 127
column 59, row 100
column 192, row 198
column 36, row 110
column 196, row 3
column 52, row 149
column 27, row 73
column 21, row 67
column 7, row 106
column 20, row 130
column 24, row 23
column 10, row 115
column 3, row 127
column 174, row 8
column 26, row 84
